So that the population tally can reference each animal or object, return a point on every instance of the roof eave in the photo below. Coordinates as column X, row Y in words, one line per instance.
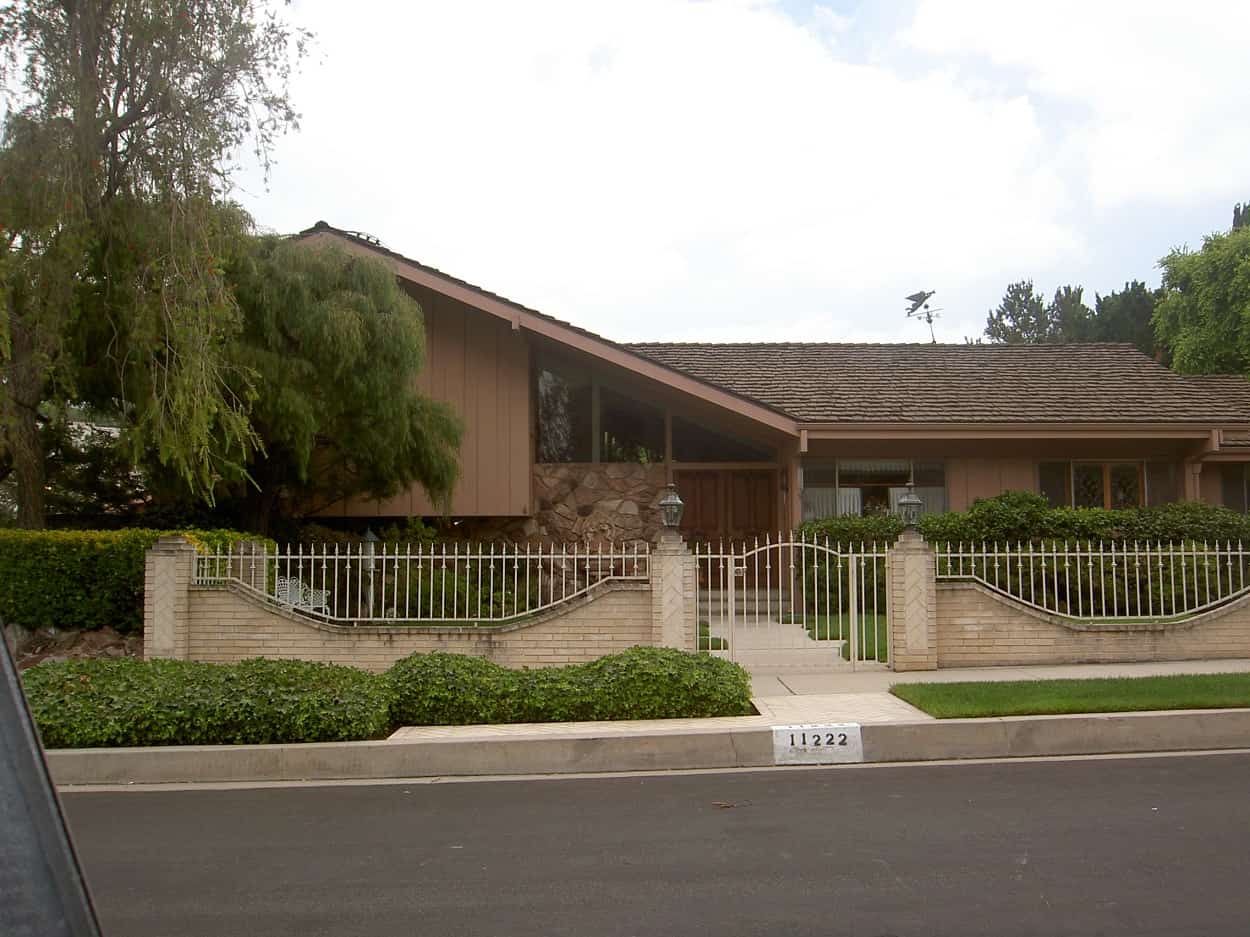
column 521, row 317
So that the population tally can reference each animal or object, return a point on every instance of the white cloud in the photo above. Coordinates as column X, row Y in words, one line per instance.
column 1156, row 90
column 660, row 169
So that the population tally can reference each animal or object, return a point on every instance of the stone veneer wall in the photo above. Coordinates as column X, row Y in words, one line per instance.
column 979, row 628
column 224, row 626
column 610, row 502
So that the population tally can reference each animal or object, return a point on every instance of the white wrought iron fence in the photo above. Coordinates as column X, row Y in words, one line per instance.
column 423, row 583
column 1105, row 580
column 793, row 593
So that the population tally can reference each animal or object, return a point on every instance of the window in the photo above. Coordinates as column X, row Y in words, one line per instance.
column 629, row 430
column 1053, row 478
column 1235, row 486
column 564, row 416
column 1105, row 484
column 695, row 443
column 870, row 486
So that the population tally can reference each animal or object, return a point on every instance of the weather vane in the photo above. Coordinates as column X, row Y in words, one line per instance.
column 920, row 309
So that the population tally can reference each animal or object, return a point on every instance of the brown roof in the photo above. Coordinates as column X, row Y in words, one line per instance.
column 1091, row 383
column 918, row 383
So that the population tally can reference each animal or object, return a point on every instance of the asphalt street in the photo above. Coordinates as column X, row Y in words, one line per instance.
column 1136, row 847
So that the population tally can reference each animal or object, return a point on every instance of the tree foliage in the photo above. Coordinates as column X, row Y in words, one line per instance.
column 116, row 157
column 335, row 345
column 1204, row 316
column 1025, row 318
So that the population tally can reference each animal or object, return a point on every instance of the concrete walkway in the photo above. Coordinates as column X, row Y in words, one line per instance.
column 864, row 696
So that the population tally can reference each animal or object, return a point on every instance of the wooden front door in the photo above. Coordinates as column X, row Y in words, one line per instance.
column 731, row 504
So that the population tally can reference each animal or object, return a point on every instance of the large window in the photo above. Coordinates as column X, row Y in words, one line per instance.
column 695, row 443
column 1108, row 484
column 870, row 486
column 1235, row 486
column 564, row 416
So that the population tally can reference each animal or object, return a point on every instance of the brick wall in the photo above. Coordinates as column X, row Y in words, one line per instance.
column 224, row 625
column 978, row 628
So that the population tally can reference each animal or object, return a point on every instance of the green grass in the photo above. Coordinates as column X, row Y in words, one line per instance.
column 874, row 632
column 709, row 643
column 1055, row 697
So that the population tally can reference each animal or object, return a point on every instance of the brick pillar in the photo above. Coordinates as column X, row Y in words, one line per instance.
column 169, row 568
column 673, row 593
column 913, row 604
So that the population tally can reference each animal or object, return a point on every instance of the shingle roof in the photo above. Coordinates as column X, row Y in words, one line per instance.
column 918, row 383
column 915, row 383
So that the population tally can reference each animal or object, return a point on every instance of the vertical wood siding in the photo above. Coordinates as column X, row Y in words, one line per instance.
column 479, row 366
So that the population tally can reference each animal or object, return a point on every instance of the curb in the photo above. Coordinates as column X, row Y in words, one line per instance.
column 588, row 750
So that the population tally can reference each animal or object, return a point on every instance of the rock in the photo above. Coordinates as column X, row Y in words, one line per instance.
column 628, row 507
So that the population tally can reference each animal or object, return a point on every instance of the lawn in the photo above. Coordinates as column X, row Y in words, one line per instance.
column 874, row 633
column 1055, row 697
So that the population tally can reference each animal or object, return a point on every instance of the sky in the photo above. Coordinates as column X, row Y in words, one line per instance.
column 768, row 170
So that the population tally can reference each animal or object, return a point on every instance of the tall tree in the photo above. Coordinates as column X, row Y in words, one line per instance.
column 131, row 110
column 1126, row 316
column 1070, row 319
column 1025, row 318
column 1021, row 317
column 335, row 345
column 1241, row 215
column 1204, row 315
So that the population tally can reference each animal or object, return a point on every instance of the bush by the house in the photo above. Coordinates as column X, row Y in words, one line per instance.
column 83, row 578
column 1020, row 516
column 126, row 702
column 640, row 683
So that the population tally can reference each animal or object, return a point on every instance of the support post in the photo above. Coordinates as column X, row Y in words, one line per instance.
column 913, row 604
column 169, row 569
column 674, row 582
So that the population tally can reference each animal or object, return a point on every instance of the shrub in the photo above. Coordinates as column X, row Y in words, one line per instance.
column 640, row 683
column 1026, row 517
column 82, row 578
column 448, row 689
column 126, row 702
column 663, row 683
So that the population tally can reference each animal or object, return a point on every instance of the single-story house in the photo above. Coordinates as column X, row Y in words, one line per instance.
column 572, row 436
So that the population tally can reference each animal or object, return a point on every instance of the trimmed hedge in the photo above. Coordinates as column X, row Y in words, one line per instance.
column 1024, row 516
column 127, row 702
column 640, row 683
column 83, row 578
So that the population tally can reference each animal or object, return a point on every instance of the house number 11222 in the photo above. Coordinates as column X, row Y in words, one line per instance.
column 829, row 738
column 828, row 744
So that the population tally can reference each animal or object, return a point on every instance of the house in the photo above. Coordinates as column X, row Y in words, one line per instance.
column 571, row 436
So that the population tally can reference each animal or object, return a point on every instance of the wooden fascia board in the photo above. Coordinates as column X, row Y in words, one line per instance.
column 1007, row 431
column 566, row 335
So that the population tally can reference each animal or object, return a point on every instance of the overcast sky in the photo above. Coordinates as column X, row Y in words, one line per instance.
column 789, row 170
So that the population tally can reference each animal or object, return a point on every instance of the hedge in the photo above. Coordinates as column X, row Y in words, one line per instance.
column 1027, row 517
column 83, row 578
column 127, row 702
column 640, row 683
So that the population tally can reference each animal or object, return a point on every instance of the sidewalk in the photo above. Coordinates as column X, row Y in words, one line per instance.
column 892, row 731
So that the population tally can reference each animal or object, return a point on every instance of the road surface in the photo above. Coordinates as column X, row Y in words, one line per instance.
column 1136, row 846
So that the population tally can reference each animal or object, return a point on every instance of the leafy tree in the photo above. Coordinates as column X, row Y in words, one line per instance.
column 1126, row 316
column 112, row 172
column 335, row 344
column 1241, row 215
column 1204, row 315
column 1024, row 318
column 1021, row 318
column 1070, row 319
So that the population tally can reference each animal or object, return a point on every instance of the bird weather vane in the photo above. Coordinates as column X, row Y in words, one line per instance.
column 920, row 309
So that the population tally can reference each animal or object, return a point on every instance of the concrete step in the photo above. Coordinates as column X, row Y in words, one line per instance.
column 771, row 659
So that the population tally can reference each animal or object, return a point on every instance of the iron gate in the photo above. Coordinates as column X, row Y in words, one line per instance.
column 793, row 602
